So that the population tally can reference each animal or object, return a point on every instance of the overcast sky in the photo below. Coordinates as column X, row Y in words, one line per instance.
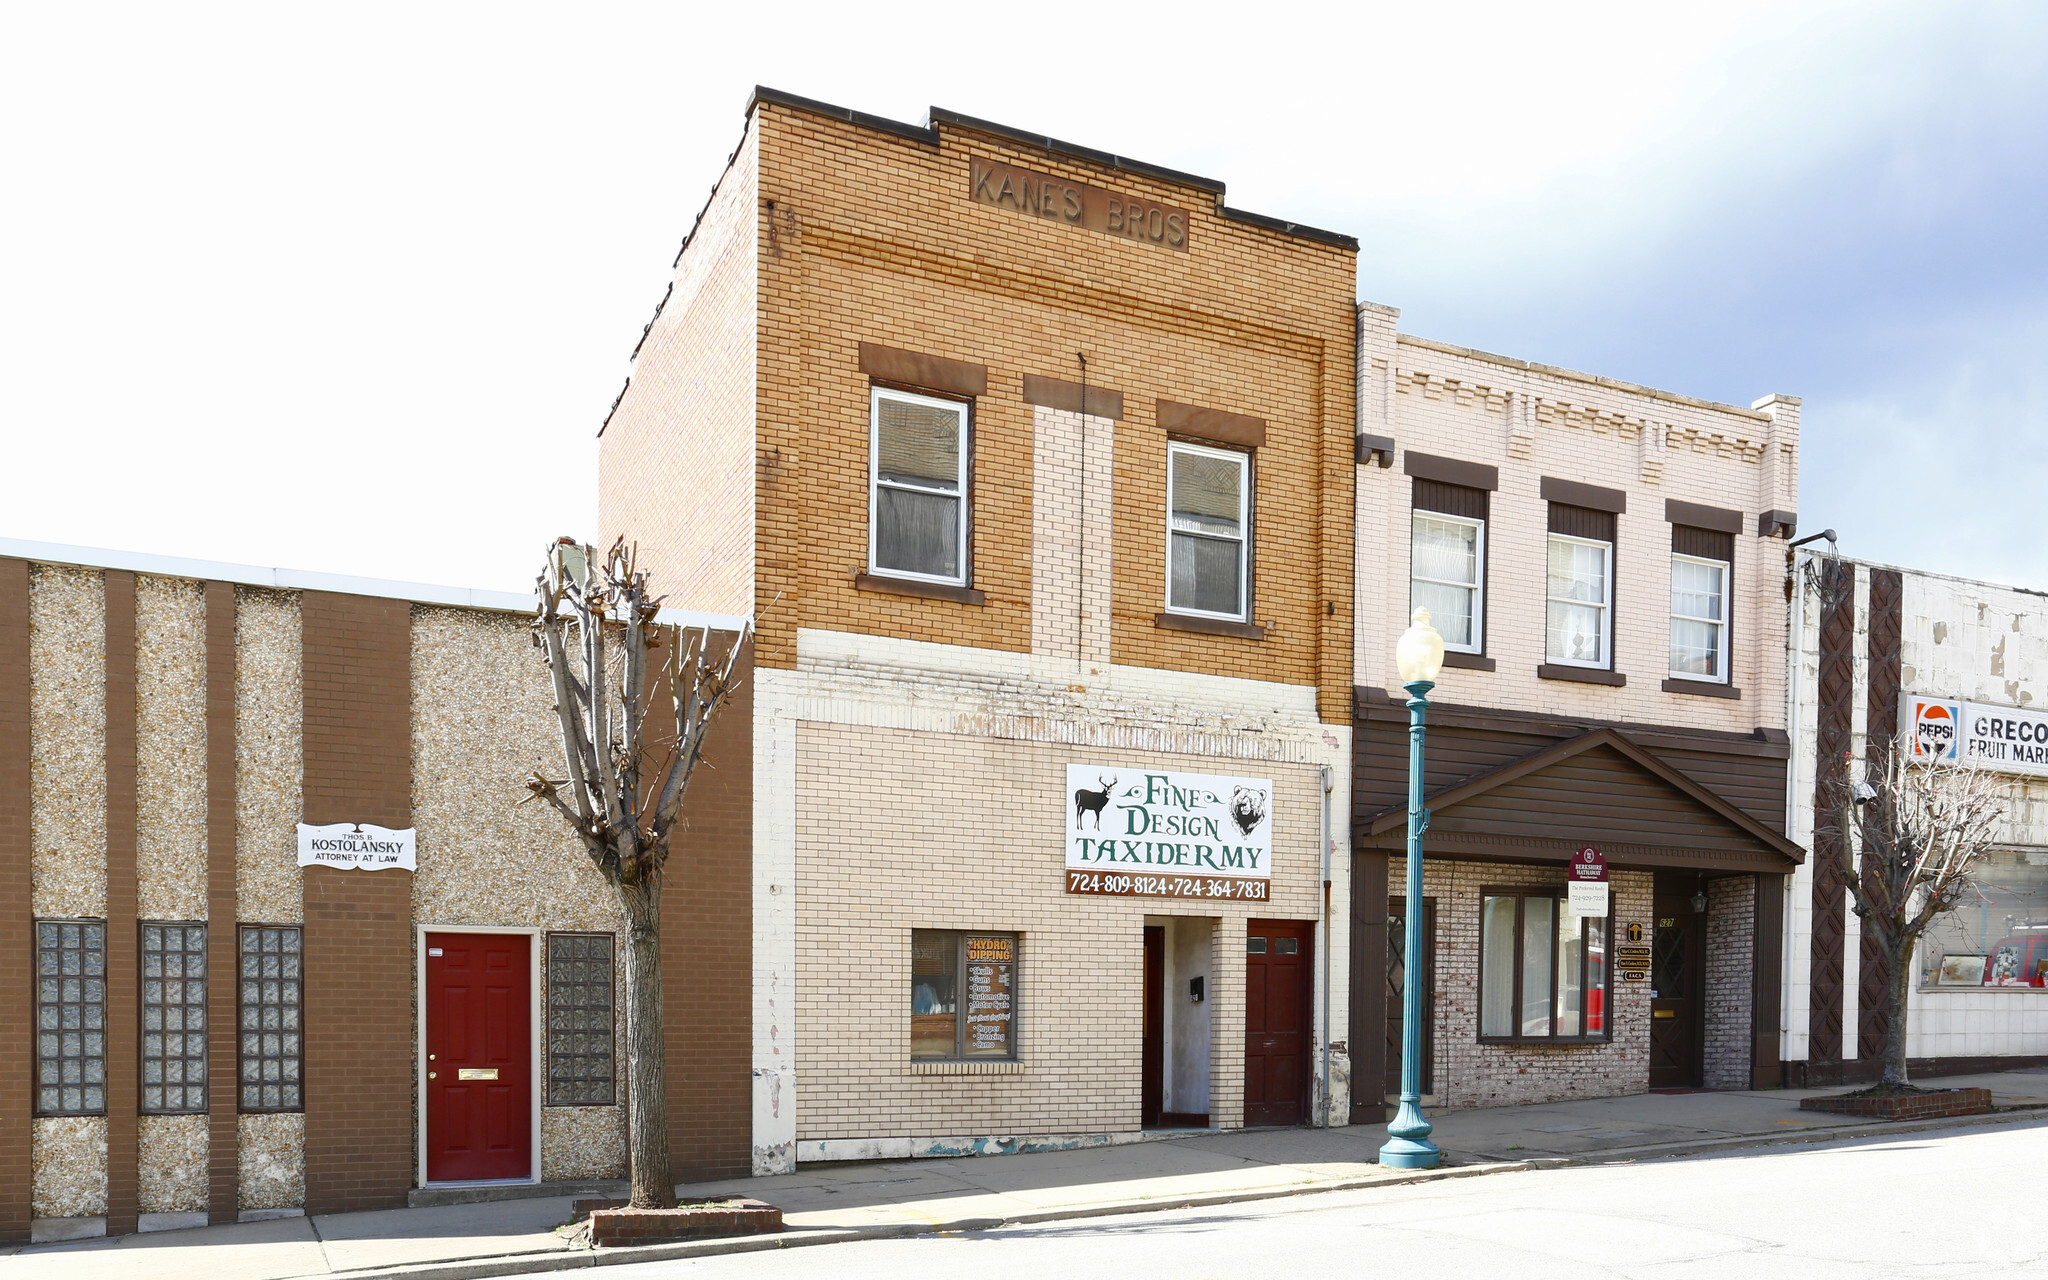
column 351, row 287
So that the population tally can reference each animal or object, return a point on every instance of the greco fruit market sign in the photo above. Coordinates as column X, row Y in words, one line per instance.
column 2008, row 739
column 1149, row 833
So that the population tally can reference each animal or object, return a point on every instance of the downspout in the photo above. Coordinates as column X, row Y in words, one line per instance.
column 1329, row 781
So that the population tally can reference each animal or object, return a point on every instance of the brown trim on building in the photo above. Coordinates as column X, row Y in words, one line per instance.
column 1767, row 976
column 707, row 955
column 17, row 910
column 1702, row 689
column 124, row 1017
column 1240, row 429
column 1380, row 706
column 1472, row 475
column 1366, row 1027
column 1446, row 498
column 1208, row 626
column 886, row 585
column 1590, row 523
column 1777, row 524
column 223, row 1132
column 358, row 933
column 916, row 369
column 1719, row 519
column 1573, row 493
column 1885, row 626
column 1834, row 690
column 1467, row 661
column 1057, row 393
column 1703, row 544
column 1580, row 675
column 1378, row 450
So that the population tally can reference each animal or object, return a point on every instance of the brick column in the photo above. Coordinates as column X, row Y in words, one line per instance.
column 358, row 943
column 17, row 982
column 1368, row 1026
column 223, row 1126
column 124, row 1014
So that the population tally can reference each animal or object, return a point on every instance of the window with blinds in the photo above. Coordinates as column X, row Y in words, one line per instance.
column 917, row 516
column 1208, row 533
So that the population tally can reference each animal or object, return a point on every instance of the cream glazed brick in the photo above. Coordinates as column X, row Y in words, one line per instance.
column 860, row 708
column 1530, row 421
column 1072, row 558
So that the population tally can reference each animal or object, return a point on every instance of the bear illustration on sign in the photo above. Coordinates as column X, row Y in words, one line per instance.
column 1247, row 808
column 1086, row 801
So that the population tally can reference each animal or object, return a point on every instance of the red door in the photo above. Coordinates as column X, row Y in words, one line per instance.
column 479, row 1056
column 1277, row 992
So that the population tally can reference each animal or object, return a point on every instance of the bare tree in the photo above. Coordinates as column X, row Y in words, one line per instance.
column 1921, row 829
column 634, row 699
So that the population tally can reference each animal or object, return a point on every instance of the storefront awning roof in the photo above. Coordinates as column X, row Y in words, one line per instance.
column 1598, row 789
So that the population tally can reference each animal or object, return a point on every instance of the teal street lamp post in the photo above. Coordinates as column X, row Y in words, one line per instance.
column 1419, row 656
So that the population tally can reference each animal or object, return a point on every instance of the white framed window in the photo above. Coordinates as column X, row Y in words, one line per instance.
column 1446, row 562
column 1699, row 619
column 917, row 500
column 1579, row 625
column 1208, row 528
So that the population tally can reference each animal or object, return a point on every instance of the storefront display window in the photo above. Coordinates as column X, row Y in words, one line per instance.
column 1998, row 935
column 947, row 1022
column 1542, row 970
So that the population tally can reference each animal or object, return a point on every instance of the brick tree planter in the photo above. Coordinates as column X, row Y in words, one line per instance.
column 1916, row 1106
column 612, row 1227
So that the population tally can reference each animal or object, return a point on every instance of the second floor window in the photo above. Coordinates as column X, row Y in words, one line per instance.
column 1208, row 527
column 918, row 503
column 1578, row 625
column 1699, row 619
column 1447, row 562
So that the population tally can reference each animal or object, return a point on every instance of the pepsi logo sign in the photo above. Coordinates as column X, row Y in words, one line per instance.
column 1935, row 729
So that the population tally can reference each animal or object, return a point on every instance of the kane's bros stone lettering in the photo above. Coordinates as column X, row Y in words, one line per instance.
column 1040, row 195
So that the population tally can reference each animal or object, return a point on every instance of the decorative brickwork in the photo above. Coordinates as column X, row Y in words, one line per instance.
column 223, row 1144
column 123, row 1190
column 1836, row 687
column 1881, row 730
column 1731, row 958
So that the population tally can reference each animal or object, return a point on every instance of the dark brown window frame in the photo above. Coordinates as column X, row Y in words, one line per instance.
column 548, row 1014
column 871, row 577
column 242, row 1057
column 36, row 1056
column 960, row 939
column 1519, row 893
column 143, row 1031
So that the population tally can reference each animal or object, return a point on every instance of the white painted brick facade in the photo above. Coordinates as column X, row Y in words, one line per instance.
column 1731, row 921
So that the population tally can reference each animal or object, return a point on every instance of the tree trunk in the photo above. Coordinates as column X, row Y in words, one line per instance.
column 654, row 1184
column 1895, row 1012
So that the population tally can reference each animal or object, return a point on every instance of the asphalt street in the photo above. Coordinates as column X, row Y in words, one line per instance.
column 1963, row 1204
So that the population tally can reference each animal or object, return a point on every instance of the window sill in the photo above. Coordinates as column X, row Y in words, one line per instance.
column 1580, row 675
column 1938, row 989
column 1208, row 626
column 959, row 1067
column 909, row 587
column 1538, row 1041
column 1467, row 661
column 1703, row 689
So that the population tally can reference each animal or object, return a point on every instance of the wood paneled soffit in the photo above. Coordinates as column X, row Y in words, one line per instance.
column 1718, row 822
column 926, row 262
column 1377, row 706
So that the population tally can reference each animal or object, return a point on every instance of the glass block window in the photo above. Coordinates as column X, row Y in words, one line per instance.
column 270, row 990
column 173, row 1018
column 580, row 1053
column 71, row 1017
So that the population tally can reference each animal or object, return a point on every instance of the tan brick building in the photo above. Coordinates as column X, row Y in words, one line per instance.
column 1035, row 464
column 1607, row 565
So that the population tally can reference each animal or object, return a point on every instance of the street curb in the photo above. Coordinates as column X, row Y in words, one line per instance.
column 482, row 1268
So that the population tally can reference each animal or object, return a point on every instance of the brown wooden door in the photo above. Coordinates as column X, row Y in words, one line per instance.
column 1397, row 945
column 1152, row 1093
column 479, row 1057
column 1678, row 984
column 1278, row 990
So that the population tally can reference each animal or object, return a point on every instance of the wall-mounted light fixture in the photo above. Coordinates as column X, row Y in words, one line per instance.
column 1195, row 989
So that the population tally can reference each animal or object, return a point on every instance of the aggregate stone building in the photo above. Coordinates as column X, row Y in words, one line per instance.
column 1892, row 659
column 1036, row 465
column 217, row 1010
column 1606, row 564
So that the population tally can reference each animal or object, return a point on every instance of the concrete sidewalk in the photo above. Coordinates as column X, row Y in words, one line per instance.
column 824, row 1203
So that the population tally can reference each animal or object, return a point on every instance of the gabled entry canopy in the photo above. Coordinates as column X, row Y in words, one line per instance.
column 1600, row 789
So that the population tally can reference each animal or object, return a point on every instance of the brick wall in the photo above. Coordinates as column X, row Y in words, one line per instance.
column 1471, row 1074
column 707, row 953
column 676, row 464
column 358, row 943
column 17, row 985
column 1530, row 422
column 122, row 941
column 1731, row 916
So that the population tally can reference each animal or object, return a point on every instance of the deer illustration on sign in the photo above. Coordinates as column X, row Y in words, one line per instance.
column 1094, row 802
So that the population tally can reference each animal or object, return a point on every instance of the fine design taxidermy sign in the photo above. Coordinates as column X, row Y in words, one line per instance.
column 1168, row 835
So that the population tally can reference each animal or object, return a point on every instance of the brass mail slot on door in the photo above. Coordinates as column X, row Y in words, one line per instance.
column 1661, row 1013
column 477, row 1073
